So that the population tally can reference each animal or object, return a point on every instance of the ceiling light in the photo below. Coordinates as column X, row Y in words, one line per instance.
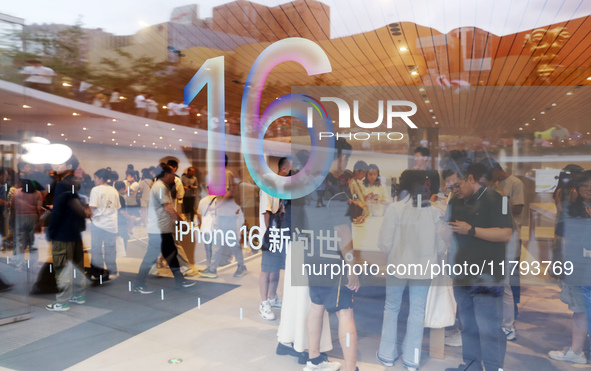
column 134, row 141
column 84, row 140
column 430, row 110
column 427, row 101
column 62, row 134
column 534, row 119
column 436, row 122
column 147, row 125
column 553, row 104
column 114, row 131
column 542, row 113
column 112, row 139
column 75, row 114
column 116, row 144
column 403, row 49
column 414, row 73
column 25, row 106
column 520, row 128
column 49, row 124
column 180, row 140
column 434, row 117
column 160, row 137
column 114, row 120
column 225, row 120
column 164, row 107
column 66, row 84
column 138, row 135
column 569, row 93
column 421, row 89
column 172, row 129
column 153, row 143
column 83, row 128
column 527, row 124
column 589, row 78
column 6, row 119
column 198, row 114
column 194, row 132
column 89, row 137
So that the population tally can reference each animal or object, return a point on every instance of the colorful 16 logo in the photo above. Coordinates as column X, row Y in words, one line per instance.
column 254, row 125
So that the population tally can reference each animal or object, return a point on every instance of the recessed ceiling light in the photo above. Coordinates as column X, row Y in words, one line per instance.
column 89, row 137
column 421, row 89
column 153, row 143
column 83, row 128
column 114, row 131
column 198, row 114
column 180, row 140
column 138, row 135
column 527, row 124
column 160, row 137
column 75, row 114
column 553, row 104
column 49, row 124
column 84, row 140
column 194, row 132
column 534, row 119
column 542, row 113
column 112, row 139
column 172, row 129
column 414, row 73
column 589, row 78
column 569, row 93
column 434, row 117
column 25, row 106
column 134, row 141
column 403, row 49
column 62, row 134
column 427, row 101
column 147, row 125
column 436, row 122
column 164, row 107
column 430, row 110
column 114, row 120
column 6, row 119
column 116, row 144
column 520, row 128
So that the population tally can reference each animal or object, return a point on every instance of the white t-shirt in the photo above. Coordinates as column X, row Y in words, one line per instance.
column 131, row 200
column 267, row 203
column 512, row 187
column 159, row 221
column 179, row 111
column 411, row 235
column 39, row 75
column 140, row 102
column 171, row 109
column 105, row 200
column 152, row 105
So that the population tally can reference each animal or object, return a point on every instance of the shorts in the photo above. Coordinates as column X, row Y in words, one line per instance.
column 573, row 296
column 272, row 262
column 333, row 298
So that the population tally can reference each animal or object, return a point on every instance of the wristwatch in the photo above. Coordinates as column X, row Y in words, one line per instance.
column 472, row 231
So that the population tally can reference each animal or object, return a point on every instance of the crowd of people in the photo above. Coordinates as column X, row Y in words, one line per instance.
column 471, row 213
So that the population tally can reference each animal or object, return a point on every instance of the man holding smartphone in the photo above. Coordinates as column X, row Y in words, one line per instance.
column 481, row 231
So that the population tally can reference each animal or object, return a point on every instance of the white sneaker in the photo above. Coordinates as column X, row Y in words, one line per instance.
column 511, row 333
column 325, row 365
column 454, row 340
column 275, row 302
column 567, row 355
column 265, row 311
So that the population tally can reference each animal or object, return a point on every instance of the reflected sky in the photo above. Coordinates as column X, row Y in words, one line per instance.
column 501, row 17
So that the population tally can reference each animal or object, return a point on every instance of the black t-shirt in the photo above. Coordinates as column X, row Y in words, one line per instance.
column 484, row 209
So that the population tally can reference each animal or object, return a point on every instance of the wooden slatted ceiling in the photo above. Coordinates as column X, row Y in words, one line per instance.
column 373, row 59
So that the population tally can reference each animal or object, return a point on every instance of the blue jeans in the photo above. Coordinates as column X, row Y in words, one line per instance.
column 226, row 223
column 103, row 250
column 587, row 299
column 413, row 339
column 483, row 339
